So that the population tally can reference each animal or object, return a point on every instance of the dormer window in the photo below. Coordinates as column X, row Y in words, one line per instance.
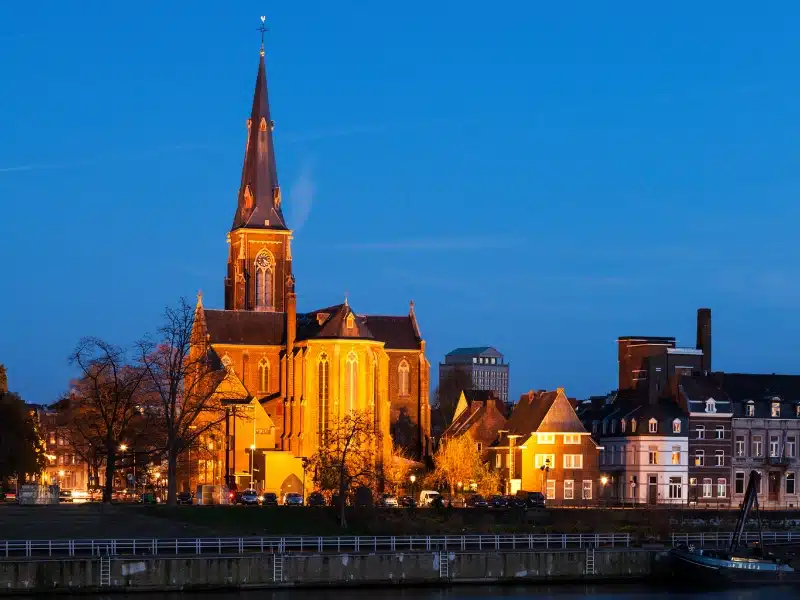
column 605, row 427
column 776, row 409
column 595, row 424
column 613, row 427
column 711, row 405
column 750, row 409
column 633, row 425
column 622, row 425
column 652, row 426
column 350, row 321
column 676, row 426
column 797, row 411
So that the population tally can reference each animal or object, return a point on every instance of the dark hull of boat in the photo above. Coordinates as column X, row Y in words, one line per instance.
column 683, row 569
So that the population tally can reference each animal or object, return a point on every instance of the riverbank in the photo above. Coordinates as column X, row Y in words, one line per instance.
column 185, row 573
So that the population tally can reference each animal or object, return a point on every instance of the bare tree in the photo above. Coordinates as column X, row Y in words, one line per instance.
column 347, row 457
column 182, row 378
column 106, row 400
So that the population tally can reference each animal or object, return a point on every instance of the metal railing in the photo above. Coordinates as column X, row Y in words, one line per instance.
column 723, row 538
column 283, row 545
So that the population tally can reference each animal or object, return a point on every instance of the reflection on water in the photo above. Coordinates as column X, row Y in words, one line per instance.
column 555, row 592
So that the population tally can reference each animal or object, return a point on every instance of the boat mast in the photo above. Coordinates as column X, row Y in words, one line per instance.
column 750, row 500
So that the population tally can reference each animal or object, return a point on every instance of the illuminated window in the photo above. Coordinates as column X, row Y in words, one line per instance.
column 546, row 438
column 264, row 280
column 676, row 426
column 653, row 426
column 351, row 380
column 322, row 393
column 263, row 375
column 403, row 378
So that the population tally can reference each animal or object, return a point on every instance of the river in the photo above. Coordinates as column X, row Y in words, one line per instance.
column 558, row 592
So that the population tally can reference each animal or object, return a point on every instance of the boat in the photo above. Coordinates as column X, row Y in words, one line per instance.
column 737, row 564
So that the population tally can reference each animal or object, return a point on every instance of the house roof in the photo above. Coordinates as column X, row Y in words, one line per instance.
column 397, row 333
column 698, row 389
column 472, row 407
column 542, row 412
column 626, row 404
column 762, row 390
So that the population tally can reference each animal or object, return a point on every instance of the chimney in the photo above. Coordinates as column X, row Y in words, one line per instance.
column 704, row 337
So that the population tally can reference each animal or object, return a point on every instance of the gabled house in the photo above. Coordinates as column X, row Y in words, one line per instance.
column 480, row 414
column 545, row 448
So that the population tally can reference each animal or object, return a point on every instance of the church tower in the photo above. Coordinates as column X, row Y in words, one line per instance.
column 259, row 274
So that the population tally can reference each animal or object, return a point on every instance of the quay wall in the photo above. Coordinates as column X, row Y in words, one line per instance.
column 173, row 573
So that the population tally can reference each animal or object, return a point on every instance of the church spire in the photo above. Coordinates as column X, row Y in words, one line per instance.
column 259, row 205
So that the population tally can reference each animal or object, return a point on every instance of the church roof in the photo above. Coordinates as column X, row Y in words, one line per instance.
column 259, row 204
column 255, row 328
column 246, row 327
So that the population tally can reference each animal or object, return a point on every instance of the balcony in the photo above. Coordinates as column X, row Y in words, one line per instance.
column 778, row 461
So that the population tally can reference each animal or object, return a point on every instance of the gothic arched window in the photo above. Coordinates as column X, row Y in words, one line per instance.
column 227, row 362
column 351, row 380
column 322, row 394
column 263, row 375
column 265, row 271
column 402, row 378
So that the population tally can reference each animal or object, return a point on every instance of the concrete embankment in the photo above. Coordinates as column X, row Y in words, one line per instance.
column 164, row 573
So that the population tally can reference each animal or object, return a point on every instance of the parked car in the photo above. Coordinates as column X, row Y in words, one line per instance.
column 269, row 499
column 497, row 502
column 184, row 498
column 315, row 499
column 247, row 498
column 10, row 496
column 407, row 502
column 293, row 499
column 64, row 496
column 530, row 499
column 475, row 501
column 426, row 497
column 387, row 501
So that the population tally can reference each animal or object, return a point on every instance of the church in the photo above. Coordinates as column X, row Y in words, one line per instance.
column 291, row 374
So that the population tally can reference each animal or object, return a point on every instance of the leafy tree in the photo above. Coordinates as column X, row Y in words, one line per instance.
column 181, row 382
column 458, row 460
column 347, row 457
column 396, row 470
column 21, row 450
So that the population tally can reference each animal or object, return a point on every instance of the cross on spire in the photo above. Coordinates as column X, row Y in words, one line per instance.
column 263, row 29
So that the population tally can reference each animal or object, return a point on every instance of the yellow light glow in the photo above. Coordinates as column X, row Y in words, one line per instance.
column 61, row 473
column 123, row 447
column 252, row 446
column 604, row 480
column 413, row 478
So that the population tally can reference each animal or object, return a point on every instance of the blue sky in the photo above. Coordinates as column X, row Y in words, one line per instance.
column 541, row 177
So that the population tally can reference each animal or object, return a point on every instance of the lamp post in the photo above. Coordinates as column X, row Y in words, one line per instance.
column 603, row 482
column 252, row 458
column 545, row 472
column 413, row 478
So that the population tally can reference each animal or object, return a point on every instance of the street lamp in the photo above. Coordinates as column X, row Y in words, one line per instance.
column 252, row 458
column 123, row 447
column 603, row 482
column 413, row 478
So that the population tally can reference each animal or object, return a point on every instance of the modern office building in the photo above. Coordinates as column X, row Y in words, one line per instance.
column 484, row 364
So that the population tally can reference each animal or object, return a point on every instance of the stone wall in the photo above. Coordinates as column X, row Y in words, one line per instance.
column 248, row 571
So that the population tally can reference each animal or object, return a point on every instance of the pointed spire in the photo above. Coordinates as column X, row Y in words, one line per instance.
column 259, row 204
column 199, row 298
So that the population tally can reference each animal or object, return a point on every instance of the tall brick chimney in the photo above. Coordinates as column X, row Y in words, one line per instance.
column 704, row 337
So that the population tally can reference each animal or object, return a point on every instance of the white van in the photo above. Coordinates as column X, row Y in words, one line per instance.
column 426, row 497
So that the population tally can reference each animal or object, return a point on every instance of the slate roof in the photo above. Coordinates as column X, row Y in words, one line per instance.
column 697, row 389
column 761, row 389
column 246, row 327
column 627, row 405
column 269, row 328
column 479, row 403
column 397, row 333
column 259, row 172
